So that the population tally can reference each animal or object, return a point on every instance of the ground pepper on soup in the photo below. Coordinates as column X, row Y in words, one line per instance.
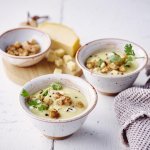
column 56, row 102
column 113, row 62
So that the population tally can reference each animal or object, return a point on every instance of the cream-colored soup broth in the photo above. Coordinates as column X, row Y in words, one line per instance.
column 57, row 102
column 112, row 63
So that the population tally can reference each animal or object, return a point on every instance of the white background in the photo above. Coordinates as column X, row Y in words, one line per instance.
column 91, row 19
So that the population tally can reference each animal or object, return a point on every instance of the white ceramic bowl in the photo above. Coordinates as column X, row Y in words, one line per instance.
column 61, row 128
column 21, row 35
column 110, row 85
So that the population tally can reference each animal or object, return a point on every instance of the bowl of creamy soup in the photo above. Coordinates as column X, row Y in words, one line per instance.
column 58, row 104
column 111, row 65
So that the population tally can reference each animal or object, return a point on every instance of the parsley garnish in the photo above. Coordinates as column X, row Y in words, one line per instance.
column 42, row 107
column 115, row 58
column 128, row 64
column 45, row 93
column 130, row 58
column 25, row 93
column 37, row 105
column 128, row 61
column 130, row 55
column 56, row 86
column 100, row 62
column 33, row 103
column 128, row 50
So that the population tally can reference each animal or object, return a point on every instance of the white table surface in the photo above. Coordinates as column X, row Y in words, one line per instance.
column 91, row 19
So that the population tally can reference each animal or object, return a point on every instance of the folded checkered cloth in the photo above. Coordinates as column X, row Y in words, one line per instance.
column 132, row 108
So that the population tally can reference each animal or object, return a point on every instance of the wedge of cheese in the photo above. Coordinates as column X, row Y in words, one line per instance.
column 62, row 37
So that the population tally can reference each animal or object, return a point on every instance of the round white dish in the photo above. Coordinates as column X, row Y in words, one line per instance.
column 59, row 128
column 24, row 34
column 110, row 85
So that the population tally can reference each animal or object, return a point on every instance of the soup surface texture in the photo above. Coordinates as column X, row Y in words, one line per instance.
column 112, row 63
column 57, row 102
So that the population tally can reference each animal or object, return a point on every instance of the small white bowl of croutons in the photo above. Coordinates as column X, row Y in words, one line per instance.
column 58, row 104
column 111, row 65
column 24, row 46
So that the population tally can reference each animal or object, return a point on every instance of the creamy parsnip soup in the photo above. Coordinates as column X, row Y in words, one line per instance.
column 113, row 62
column 56, row 102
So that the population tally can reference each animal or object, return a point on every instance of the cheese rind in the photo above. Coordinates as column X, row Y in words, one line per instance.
column 62, row 37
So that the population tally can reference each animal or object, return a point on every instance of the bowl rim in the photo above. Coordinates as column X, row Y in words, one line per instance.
column 70, row 77
column 31, row 56
column 109, row 76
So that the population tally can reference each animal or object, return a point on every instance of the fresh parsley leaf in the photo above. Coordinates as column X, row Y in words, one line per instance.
column 115, row 58
column 45, row 93
column 25, row 93
column 128, row 61
column 128, row 64
column 42, row 107
column 37, row 105
column 56, row 86
column 128, row 50
column 100, row 62
column 129, row 58
column 33, row 103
